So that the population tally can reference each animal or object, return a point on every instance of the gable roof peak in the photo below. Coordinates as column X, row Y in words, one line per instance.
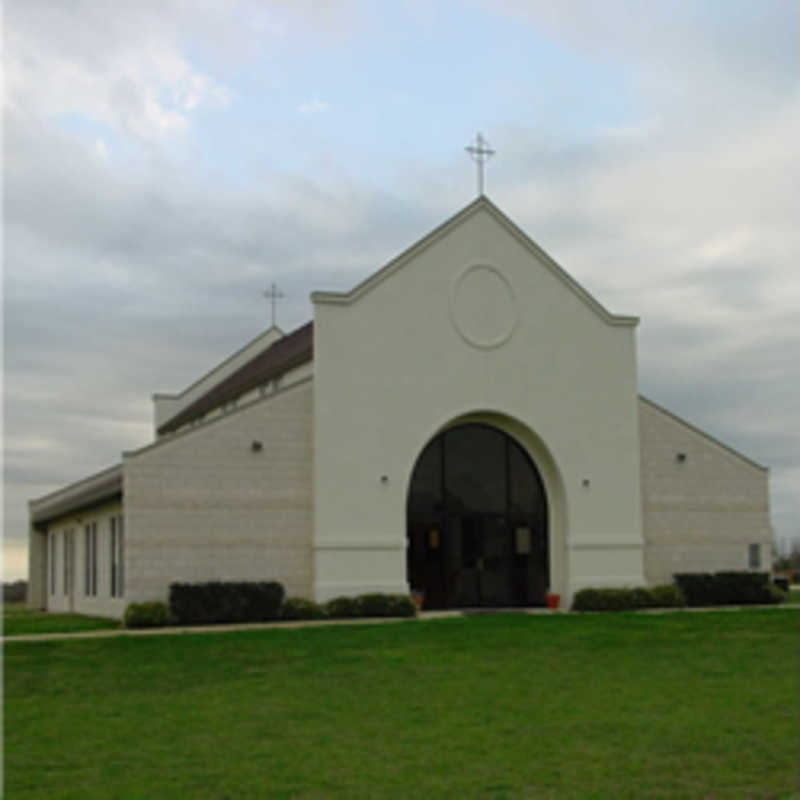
column 482, row 201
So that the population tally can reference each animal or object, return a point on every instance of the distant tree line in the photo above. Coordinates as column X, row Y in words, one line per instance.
column 15, row 592
column 789, row 562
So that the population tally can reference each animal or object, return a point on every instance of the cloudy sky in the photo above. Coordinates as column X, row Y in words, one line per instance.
column 165, row 161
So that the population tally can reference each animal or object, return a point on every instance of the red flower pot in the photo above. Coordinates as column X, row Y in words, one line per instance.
column 553, row 601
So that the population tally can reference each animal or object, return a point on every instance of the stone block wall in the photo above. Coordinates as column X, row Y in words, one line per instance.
column 210, row 504
column 703, row 504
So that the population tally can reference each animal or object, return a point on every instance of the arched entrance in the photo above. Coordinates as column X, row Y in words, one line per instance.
column 477, row 522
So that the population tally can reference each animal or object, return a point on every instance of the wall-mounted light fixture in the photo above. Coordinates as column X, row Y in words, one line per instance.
column 384, row 479
column 256, row 446
column 586, row 482
column 680, row 458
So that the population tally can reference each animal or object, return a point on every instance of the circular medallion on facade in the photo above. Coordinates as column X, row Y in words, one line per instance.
column 482, row 306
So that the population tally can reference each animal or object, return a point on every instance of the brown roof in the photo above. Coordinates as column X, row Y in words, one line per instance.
column 292, row 350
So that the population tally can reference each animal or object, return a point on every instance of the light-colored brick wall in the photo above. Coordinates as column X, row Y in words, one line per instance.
column 702, row 513
column 71, row 595
column 203, row 505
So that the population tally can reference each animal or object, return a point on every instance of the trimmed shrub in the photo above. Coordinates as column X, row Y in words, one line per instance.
column 627, row 599
column 225, row 601
column 300, row 608
column 741, row 587
column 146, row 615
column 371, row 605
column 641, row 597
column 777, row 595
column 667, row 595
column 697, row 588
column 343, row 607
column 386, row 605
column 726, row 588
column 782, row 583
column 603, row 600
column 17, row 592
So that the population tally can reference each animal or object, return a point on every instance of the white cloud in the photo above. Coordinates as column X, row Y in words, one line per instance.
column 100, row 149
column 132, row 76
column 639, row 130
column 313, row 106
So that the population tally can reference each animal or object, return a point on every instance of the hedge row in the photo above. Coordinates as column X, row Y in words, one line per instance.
column 219, row 601
column 300, row 608
column 628, row 599
column 365, row 605
column 146, row 615
column 728, row 588
column 692, row 589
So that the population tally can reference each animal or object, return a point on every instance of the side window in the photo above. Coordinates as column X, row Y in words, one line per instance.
column 754, row 556
column 65, row 538
column 113, row 554
column 94, row 558
column 90, row 559
column 87, row 558
column 120, row 556
column 52, row 563
column 116, row 554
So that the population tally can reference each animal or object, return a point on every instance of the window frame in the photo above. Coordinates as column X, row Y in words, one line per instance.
column 112, row 567
column 121, row 556
column 116, row 551
column 90, row 560
column 69, row 556
column 52, row 562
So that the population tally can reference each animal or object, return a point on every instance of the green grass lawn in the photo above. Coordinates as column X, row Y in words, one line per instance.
column 17, row 619
column 608, row 706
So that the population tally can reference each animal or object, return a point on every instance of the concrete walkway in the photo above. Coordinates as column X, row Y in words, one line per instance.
column 424, row 616
column 221, row 628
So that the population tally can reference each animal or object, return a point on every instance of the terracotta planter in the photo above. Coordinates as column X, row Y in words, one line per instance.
column 553, row 601
column 419, row 599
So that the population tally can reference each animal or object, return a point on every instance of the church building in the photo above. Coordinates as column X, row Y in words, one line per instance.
column 487, row 449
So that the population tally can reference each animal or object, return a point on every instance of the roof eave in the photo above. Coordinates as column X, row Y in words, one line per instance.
column 731, row 450
column 201, row 406
column 87, row 492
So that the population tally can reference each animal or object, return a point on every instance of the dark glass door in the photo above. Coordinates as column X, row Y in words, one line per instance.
column 480, row 561
column 496, row 581
column 477, row 522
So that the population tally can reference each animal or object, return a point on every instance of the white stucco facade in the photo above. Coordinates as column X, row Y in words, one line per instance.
column 292, row 459
column 417, row 348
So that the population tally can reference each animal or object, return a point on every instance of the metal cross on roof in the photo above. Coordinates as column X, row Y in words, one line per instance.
column 480, row 152
column 272, row 295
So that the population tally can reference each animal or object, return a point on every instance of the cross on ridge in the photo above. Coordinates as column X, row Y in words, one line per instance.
column 272, row 295
column 480, row 152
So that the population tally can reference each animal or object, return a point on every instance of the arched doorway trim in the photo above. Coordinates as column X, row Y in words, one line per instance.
column 547, row 472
